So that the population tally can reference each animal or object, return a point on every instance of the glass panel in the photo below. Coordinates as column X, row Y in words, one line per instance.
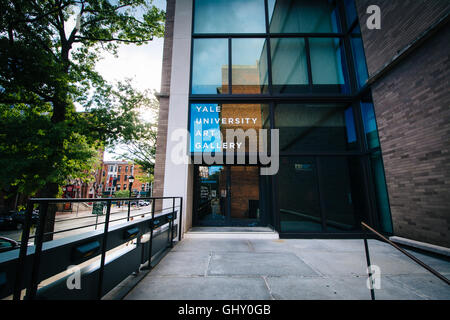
column 249, row 70
column 359, row 57
column 302, row 16
column 341, row 182
column 209, row 123
column 212, row 195
column 370, row 125
column 289, row 66
column 229, row 16
column 381, row 192
column 327, row 65
column 210, row 66
column 298, row 195
column 315, row 127
column 244, row 193
column 350, row 12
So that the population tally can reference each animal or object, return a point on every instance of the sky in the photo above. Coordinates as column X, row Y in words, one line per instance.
column 141, row 63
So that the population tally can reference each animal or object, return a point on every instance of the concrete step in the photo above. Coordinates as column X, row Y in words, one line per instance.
column 231, row 233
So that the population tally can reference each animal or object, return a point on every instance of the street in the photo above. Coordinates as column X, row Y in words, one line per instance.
column 74, row 219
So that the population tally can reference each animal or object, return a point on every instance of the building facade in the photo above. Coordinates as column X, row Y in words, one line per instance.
column 115, row 177
column 300, row 79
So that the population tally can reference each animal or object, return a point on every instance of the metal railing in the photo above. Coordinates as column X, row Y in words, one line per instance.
column 418, row 261
column 104, row 257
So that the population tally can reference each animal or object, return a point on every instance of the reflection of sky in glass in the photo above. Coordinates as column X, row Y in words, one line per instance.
column 198, row 113
column 368, row 116
column 209, row 57
column 214, row 169
column 229, row 16
column 247, row 51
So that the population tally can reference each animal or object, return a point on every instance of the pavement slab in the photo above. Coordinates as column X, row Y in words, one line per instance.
column 299, row 269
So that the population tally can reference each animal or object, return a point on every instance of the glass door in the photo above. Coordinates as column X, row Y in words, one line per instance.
column 211, row 196
column 244, row 195
column 227, row 196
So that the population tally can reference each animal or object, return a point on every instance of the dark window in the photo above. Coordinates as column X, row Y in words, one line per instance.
column 315, row 127
column 119, row 168
column 229, row 16
column 321, row 194
column 381, row 192
column 298, row 196
column 350, row 11
column 370, row 125
column 359, row 58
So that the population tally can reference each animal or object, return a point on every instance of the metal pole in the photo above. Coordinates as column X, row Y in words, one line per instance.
column 23, row 252
column 151, row 236
column 172, row 220
column 180, row 219
column 366, row 247
column 437, row 274
column 32, row 289
column 104, row 246
column 129, row 202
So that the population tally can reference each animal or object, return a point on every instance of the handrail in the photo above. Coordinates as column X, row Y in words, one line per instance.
column 29, row 261
column 422, row 264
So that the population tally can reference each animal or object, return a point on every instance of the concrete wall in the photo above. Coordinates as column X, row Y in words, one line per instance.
column 412, row 106
column 177, row 173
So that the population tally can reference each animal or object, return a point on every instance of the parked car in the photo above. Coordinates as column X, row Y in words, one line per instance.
column 7, row 244
column 16, row 219
column 144, row 203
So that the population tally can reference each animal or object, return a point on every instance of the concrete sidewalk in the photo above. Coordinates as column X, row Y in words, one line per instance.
column 239, row 269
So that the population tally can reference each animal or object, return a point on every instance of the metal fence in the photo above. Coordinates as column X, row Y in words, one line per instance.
column 94, row 260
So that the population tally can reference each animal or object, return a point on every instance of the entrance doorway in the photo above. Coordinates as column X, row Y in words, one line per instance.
column 229, row 196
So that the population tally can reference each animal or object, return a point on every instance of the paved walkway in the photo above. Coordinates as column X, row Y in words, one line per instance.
column 209, row 269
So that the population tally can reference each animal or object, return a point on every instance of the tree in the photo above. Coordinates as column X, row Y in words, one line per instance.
column 47, row 69
column 143, row 151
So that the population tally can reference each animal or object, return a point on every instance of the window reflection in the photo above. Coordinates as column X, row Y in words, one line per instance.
column 249, row 70
column 209, row 66
column 327, row 64
column 289, row 65
column 370, row 125
column 229, row 16
column 303, row 16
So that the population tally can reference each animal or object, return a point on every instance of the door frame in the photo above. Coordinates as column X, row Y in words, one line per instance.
column 228, row 221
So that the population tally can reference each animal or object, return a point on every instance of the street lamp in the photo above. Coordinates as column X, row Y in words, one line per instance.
column 131, row 180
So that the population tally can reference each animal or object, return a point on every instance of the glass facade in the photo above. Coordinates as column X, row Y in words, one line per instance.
column 315, row 127
column 297, row 66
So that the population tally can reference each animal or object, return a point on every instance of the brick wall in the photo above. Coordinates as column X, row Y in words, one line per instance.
column 160, row 157
column 401, row 22
column 412, row 106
